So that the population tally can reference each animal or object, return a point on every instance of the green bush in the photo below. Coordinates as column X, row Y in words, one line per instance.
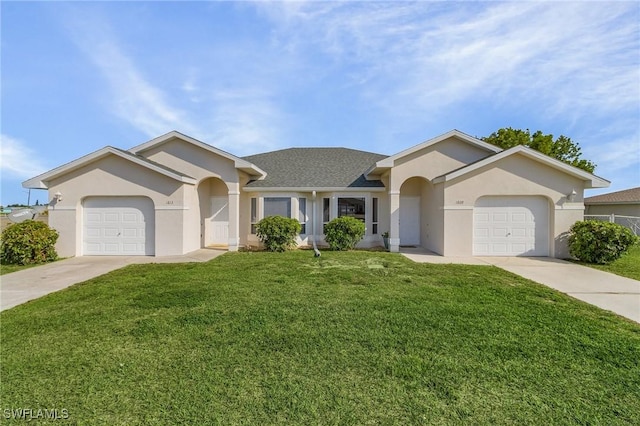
column 278, row 233
column 27, row 243
column 594, row 241
column 343, row 233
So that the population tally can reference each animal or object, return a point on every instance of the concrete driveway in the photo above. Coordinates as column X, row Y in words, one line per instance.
column 607, row 291
column 19, row 287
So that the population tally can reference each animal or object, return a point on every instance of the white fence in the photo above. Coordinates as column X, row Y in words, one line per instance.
column 631, row 222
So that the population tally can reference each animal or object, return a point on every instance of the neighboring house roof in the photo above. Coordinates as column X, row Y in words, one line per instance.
column 626, row 196
column 42, row 181
column 239, row 163
column 593, row 180
column 389, row 162
column 314, row 168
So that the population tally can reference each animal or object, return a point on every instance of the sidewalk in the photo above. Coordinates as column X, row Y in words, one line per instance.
column 19, row 287
column 603, row 289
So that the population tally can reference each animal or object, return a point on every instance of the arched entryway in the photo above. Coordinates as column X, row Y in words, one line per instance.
column 213, row 195
column 415, row 215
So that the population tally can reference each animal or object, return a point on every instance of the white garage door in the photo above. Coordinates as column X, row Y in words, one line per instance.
column 511, row 226
column 118, row 226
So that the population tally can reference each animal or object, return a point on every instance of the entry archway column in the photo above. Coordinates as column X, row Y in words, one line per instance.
column 234, row 220
column 394, row 218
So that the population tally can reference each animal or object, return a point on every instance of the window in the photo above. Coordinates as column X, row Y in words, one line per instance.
column 353, row 207
column 277, row 206
column 326, row 212
column 374, row 216
column 254, row 214
column 302, row 215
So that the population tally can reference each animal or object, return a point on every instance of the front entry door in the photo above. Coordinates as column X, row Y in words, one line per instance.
column 220, row 220
column 409, row 221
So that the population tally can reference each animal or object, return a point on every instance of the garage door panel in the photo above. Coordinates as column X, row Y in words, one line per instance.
column 519, row 233
column 118, row 226
column 111, row 217
column 511, row 226
column 499, row 216
column 497, row 232
column 481, row 233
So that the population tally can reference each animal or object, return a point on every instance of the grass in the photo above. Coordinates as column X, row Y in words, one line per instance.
column 627, row 266
column 9, row 268
column 348, row 338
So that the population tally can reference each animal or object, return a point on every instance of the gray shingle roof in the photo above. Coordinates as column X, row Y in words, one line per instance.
column 631, row 195
column 315, row 168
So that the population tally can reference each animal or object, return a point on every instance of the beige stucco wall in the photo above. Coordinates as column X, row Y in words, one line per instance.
column 115, row 176
column 435, row 160
column 193, row 160
column 513, row 175
column 427, row 163
column 201, row 165
column 370, row 239
column 619, row 209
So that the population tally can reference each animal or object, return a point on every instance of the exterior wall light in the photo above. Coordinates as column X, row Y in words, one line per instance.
column 572, row 195
column 58, row 196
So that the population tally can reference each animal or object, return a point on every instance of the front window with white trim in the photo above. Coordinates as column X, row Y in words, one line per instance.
column 291, row 207
column 353, row 207
column 302, row 215
column 277, row 206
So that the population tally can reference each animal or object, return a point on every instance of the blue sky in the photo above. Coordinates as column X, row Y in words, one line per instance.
column 252, row 77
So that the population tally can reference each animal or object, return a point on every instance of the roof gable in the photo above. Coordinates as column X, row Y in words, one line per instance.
column 391, row 161
column 626, row 196
column 41, row 181
column 314, row 168
column 593, row 180
column 239, row 163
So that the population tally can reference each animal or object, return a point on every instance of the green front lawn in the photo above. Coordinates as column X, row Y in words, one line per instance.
column 348, row 338
column 7, row 269
column 627, row 266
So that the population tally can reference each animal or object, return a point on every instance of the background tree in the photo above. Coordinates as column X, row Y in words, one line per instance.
column 562, row 148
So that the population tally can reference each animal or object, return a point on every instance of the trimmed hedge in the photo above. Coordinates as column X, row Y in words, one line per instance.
column 278, row 233
column 27, row 243
column 594, row 241
column 343, row 233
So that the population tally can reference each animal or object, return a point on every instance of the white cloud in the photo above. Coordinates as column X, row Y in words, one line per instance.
column 238, row 120
column 132, row 97
column 17, row 160
column 571, row 57
column 246, row 121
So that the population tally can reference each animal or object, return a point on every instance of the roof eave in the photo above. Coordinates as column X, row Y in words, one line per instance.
column 595, row 203
column 41, row 181
column 592, row 181
column 390, row 161
column 312, row 188
column 239, row 163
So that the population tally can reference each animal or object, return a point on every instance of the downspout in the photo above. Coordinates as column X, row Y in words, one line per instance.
column 316, row 252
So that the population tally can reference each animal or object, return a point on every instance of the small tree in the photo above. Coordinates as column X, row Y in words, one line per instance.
column 594, row 241
column 278, row 233
column 28, row 242
column 561, row 148
column 343, row 233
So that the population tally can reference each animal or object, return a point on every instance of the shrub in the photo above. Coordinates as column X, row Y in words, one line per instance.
column 343, row 233
column 28, row 242
column 278, row 233
column 594, row 241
